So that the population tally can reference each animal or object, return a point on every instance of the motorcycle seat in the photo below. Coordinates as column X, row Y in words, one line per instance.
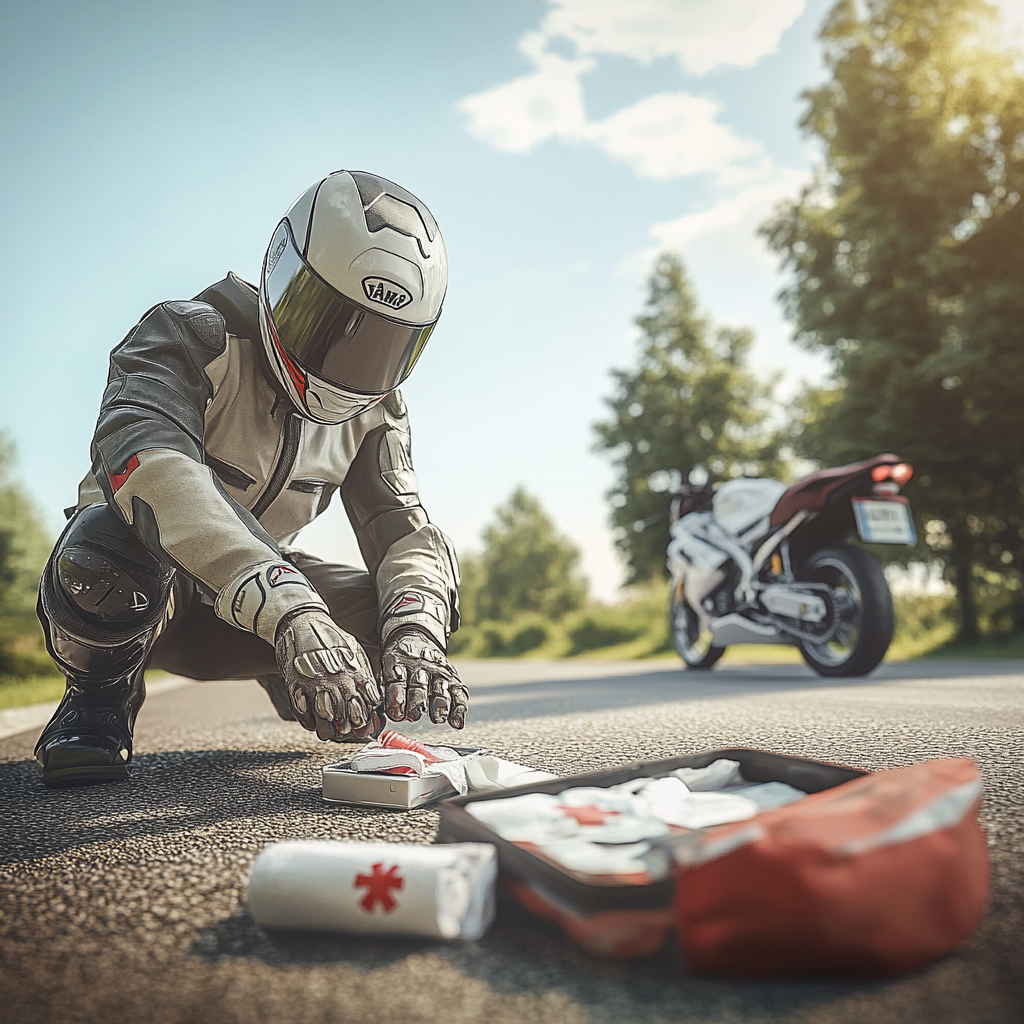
column 814, row 491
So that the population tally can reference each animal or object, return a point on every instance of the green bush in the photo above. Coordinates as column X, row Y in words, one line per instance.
column 604, row 627
column 923, row 623
column 491, row 639
column 921, row 615
column 636, row 627
column 24, row 547
column 528, row 633
column 462, row 641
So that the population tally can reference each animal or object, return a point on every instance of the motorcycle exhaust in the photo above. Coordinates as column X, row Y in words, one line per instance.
column 736, row 629
column 782, row 600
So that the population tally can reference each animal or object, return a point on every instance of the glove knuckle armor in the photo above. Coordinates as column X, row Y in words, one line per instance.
column 327, row 670
column 307, row 665
column 325, row 705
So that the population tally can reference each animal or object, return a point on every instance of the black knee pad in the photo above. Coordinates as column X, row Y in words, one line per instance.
column 101, row 584
column 101, row 589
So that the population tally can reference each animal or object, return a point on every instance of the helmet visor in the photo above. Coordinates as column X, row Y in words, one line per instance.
column 328, row 334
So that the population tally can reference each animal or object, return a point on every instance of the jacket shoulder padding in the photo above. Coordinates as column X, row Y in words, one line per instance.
column 236, row 300
column 203, row 320
column 157, row 388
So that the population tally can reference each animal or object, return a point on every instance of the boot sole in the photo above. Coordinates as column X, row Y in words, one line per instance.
column 85, row 775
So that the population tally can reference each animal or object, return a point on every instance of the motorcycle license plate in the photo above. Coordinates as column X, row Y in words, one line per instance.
column 884, row 522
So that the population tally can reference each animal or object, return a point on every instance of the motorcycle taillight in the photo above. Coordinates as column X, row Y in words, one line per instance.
column 899, row 473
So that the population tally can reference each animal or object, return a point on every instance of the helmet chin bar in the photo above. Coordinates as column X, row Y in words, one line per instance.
column 326, row 403
column 313, row 397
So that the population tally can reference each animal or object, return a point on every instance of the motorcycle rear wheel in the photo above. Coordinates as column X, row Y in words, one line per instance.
column 860, row 601
column 690, row 639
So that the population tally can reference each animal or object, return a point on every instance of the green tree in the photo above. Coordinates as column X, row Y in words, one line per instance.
column 24, row 547
column 907, row 261
column 525, row 566
column 690, row 410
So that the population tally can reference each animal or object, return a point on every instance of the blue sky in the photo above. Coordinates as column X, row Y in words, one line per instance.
column 561, row 144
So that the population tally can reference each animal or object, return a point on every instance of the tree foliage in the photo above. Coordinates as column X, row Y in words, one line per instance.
column 525, row 566
column 24, row 547
column 907, row 262
column 691, row 409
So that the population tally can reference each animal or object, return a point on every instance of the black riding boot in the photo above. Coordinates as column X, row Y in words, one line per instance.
column 102, row 598
column 89, row 737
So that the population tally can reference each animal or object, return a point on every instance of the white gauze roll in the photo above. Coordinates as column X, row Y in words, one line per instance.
column 444, row 892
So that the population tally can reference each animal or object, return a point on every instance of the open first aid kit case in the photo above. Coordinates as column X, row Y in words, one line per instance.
column 583, row 892
column 343, row 785
column 860, row 872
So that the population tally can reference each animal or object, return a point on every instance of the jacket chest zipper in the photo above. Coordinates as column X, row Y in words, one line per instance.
column 285, row 462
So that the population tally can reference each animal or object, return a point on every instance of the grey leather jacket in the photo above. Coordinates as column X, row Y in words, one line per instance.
column 216, row 471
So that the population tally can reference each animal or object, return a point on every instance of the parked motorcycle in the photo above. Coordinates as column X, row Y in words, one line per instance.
column 757, row 562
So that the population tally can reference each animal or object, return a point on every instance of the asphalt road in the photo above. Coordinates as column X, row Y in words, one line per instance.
column 125, row 903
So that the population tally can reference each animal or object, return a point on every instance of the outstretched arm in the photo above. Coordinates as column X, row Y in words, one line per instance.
column 416, row 571
column 148, row 458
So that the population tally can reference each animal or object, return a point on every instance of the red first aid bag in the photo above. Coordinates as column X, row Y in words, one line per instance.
column 879, row 875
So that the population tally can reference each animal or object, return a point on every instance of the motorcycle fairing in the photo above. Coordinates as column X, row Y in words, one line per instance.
column 698, row 549
column 740, row 504
column 739, row 518
column 689, row 538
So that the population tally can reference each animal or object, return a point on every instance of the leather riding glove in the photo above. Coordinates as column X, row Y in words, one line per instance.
column 329, row 681
column 418, row 677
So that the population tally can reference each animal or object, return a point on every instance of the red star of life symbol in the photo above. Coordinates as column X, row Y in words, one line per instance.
column 378, row 888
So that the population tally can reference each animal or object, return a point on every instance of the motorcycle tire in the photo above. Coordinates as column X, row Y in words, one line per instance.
column 862, row 602
column 691, row 641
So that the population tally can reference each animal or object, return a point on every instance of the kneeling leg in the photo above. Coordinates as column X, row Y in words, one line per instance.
column 103, row 597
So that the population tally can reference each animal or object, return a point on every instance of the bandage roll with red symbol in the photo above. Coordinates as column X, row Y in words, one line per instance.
column 395, row 740
column 442, row 892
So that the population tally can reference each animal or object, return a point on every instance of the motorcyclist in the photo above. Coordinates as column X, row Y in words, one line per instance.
column 227, row 424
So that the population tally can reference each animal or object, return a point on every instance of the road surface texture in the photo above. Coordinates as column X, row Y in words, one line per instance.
column 125, row 903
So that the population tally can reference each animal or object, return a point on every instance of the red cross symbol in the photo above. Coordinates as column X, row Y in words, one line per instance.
column 378, row 888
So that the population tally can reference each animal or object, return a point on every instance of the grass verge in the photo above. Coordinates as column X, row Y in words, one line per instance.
column 17, row 693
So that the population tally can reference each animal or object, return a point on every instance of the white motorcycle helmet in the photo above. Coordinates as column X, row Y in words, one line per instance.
column 351, row 288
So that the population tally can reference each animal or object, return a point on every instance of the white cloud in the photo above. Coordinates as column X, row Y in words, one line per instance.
column 666, row 135
column 672, row 134
column 700, row 34
column 727, row 230
column 516, row 116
